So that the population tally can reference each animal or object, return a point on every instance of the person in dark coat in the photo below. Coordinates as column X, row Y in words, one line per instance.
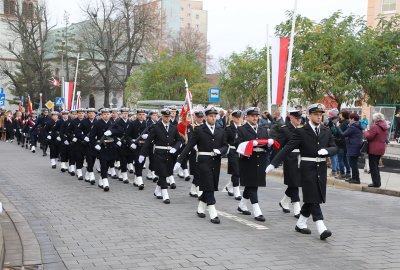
column 63, row 146
column 252, row 168
column 102, row 139
column 315, row 143
column 9, row 127
column 67, row 137
column 33, row 132
column 340, row 142
column 77, row 145
column 291, row 170
column 211, row 144
column 167, row 142
column 353, row 135
column 151, row 122
column 233, row 157
column 39, row 129
column 51, row 136
column 376, row 137
column 89, row 152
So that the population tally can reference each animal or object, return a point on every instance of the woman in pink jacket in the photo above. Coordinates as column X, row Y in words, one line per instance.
column 376, row 137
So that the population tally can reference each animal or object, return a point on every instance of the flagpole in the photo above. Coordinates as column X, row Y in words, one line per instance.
column 190, row 105
column 289, row 63
column 40, row 103
column 269, row 98
column 76, row 76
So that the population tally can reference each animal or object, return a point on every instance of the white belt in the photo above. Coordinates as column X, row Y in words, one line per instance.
column 296, row 151
column 317, row 159
column 258, row 149
column 232, row 147
column 163, row 147
column 212, row 154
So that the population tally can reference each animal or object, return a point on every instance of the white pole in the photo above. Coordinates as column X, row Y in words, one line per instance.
column 269, row 98
column 76, row 76
column 289, row 63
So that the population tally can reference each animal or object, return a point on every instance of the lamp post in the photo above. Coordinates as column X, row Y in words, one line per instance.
column 76, row 76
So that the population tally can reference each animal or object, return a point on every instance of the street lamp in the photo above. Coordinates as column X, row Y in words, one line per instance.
column 76, row 76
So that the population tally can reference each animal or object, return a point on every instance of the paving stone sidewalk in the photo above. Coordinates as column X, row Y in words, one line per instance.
column 78, row 226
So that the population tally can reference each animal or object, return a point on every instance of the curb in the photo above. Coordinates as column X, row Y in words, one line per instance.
column 30, row 245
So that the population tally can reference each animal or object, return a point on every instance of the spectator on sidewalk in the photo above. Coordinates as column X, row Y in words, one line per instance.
column 344, row 165
column 376, row 136
column 397, row 127
column 364, row 121
column 353, row 135
column 332, row 120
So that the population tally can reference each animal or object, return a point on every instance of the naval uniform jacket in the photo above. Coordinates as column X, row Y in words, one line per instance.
column 119, row 130
column 83, row 131
column 209, row 166
column 313, row 174
column 135, row 131
column 291, row 165
column 252, row 168
column 108, row 149
column 48, row 129
column 233, row 156
column 163, row 160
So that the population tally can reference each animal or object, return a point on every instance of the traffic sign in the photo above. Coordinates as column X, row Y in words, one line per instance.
column 2, row 99
column 49, row 104
column 215, row 95
column 59, row 101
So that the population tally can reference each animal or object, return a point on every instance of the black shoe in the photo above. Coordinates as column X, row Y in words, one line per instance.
column 352, row 181
column 284, row 209
column 114, row 176
column 340, row 177
column 100, row 186
column 72, row 173
column 87, row 180
column 80, row 178
column 44, row 154
column 373, row 185
column 167, row 201
column 325, row 234
column 229, row 193
column 63, row 170
column 158, row 197
column 155, row 180
column 106, row 188
column 244, row 212
column 201, row 215
column 141, row 187
column 130, row 171
column 260, row 218
column 126, row 181
column 187, row 178
column 120, row 179
column 297, row 216
column 193, row 195
column 238, row 198
column 215, row 220
column 92, row 182
column 53, row 166
column 347, row 175
column 173, row 186
column 303, row 231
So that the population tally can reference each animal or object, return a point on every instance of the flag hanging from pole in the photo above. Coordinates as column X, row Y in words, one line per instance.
column 279, row 53
column 68, row 90
column 186, row 109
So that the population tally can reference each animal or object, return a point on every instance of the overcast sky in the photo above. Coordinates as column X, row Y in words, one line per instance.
column 234, row 24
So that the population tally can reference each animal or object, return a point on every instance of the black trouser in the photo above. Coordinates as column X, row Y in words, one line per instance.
column 208, row 197
column 71, row 155
column 53, row 150
column 293, row 193
column 104, row 165
column 90, row 159
column 355, row 174
column 251, row 193
column 138, row 165
column 123, row 162
column 162, row 182
column 63, row 152
column 79, row 155
column 9, row 134
column 374, row 169
column 313, row 209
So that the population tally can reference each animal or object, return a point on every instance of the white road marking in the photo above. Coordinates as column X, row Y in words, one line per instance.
column 243, row 221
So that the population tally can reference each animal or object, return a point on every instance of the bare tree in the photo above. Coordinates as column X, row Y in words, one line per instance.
column 29, row 26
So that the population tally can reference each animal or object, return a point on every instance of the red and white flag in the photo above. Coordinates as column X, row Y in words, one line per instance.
column 29, row 105
column 279, row 53
column 55, row 82
column 68, row 91
column 246, row 148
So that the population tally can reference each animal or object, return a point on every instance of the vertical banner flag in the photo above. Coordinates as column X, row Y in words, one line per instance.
column 186, row 109
column 68, row 90
column 279, row 53
column 29, row 105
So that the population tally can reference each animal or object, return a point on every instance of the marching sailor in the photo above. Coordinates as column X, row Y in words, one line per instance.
column 152, row 122
column 77, row 142
column 63, row 147
column 52, row 134
column 211, row 144
column 90, row 153
column 167, row 142
column 315, row 143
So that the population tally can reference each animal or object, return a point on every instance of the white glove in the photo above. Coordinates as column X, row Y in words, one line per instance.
column 97, row 147
column 270, row 168
column 66, row 142
column 144, row 136
column 58, row 139
column 323, row 152
column 255, row 143
column 74, row 139
column 270, row 142
column 133, row 146
column 195, row 148
column 177, row 166
column 86, row 139
column 216, row 151
column 49, row 137
column 172, row 151
column 141, row 159
column 108, row 133
column 119, row 143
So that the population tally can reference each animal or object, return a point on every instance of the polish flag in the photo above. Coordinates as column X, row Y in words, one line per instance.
column 68, row 91
column 55, row 82
column 246, row 148
column 279, row 53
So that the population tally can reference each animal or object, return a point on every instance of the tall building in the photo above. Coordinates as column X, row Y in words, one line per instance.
column 377, row 8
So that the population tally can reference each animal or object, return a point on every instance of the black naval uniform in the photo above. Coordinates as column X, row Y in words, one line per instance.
column 65, row 142
column 233, row 156
column 77, row 145
column 50, row 129
column 63, row 148
column 151, row 124
column 119, row 130
column 136, row 131
column 193, row 165
column 90, row 153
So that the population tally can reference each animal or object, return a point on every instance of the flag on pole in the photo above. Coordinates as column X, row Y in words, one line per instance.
column 55, row 82
column 78, row 100
column 68, row 90
column 29, row 105
column 279, row 53
column 40, row 103
column 186, row 109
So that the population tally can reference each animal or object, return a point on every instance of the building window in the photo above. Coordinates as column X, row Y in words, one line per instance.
column 9, row 7
column 27, row 8
column 388, row 5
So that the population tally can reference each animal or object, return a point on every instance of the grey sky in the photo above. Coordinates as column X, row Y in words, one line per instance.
column 234, row 24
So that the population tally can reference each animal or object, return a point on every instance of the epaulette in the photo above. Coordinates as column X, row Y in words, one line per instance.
column 283, row 126
column 300, row 126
